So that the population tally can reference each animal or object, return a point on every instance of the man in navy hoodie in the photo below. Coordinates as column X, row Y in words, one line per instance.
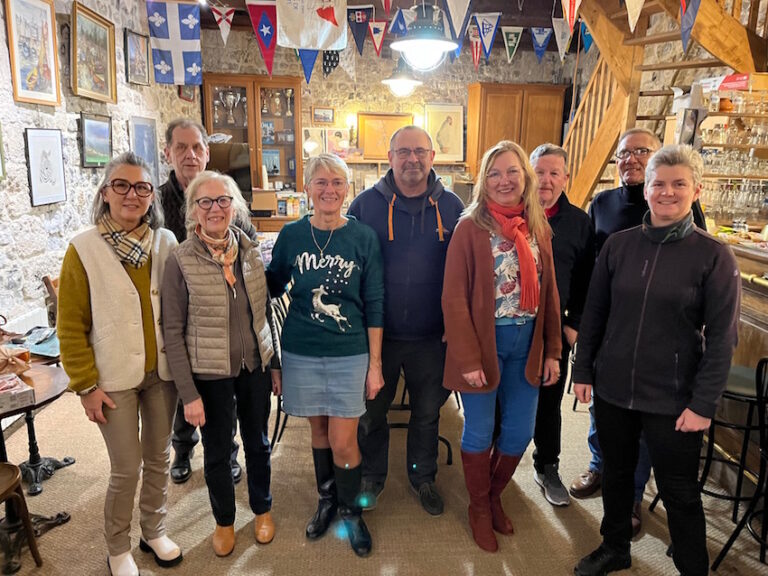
column 414, row 217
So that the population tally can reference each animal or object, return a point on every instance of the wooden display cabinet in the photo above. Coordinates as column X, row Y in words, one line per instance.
column 262, row 117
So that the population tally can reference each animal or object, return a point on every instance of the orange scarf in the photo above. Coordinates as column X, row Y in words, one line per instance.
column 514, row 228
column 223, row 251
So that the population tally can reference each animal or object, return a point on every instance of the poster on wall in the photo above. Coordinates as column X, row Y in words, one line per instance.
column 33, row 50
column 93, row 55
column 445, row 125
column 143, row 136
column 45, row 166
column 375, row 130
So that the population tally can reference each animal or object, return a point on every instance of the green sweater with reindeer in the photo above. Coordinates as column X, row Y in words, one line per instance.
column 337, row 291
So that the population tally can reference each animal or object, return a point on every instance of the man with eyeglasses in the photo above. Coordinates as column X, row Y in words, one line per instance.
column 612, row 211
column 414, row 217
column 186, row 150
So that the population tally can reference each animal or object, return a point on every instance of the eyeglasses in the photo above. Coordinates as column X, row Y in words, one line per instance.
column 224, row 202
column 637, row 153
column 122, row 187
column 494, row 176
column 404, row 153
column 337, row 184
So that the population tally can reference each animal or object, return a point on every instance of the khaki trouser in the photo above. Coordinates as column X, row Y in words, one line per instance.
column 155, row 401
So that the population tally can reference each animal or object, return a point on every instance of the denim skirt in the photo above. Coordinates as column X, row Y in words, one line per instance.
column 324, row 385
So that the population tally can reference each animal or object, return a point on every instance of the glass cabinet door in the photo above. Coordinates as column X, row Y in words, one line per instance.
column 277, row 137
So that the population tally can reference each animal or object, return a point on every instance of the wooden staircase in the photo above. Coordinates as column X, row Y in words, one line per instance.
column 609, row 105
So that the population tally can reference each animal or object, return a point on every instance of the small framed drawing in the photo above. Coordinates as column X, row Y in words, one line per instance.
column 271, row 160
column 136, row 57
column 93, row 55
column 374, row 131
column 313, row 143
column 188, row 93
column 323, row 115
column 34, row 51
column 337, row 141
column 143, row 138
column 96, row 137
column 445, row 125
column 45, row 165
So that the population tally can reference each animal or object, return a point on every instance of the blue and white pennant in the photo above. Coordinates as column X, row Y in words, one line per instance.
column 175, row 37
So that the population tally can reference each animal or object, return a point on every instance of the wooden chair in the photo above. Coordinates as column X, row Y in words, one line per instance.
column 10, row 489
column 51, row 298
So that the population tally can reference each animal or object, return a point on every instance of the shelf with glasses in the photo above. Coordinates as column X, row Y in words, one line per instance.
column 735, row 146
column 735, row 176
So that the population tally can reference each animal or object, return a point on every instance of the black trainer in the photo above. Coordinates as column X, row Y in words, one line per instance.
column 237, row 471
column 602, row 561
column 429, row 498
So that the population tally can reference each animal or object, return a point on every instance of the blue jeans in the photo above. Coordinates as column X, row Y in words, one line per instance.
column 517, row 398
column 643, row 469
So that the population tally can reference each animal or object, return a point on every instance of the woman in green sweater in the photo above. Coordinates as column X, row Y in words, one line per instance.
column 331, row 340
column 112, row 350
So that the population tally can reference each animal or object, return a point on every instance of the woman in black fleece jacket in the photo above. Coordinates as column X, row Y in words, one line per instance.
column 658, row 293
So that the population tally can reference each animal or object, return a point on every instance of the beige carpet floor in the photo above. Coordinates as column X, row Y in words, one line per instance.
column 407, row 541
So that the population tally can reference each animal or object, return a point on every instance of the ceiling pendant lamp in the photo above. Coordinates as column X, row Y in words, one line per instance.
column 401, row 83
column 425, row 44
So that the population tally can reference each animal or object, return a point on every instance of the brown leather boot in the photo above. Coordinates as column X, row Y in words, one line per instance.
column 502, row 469
column 264, row 528
column 478, row 479
column 224, row 540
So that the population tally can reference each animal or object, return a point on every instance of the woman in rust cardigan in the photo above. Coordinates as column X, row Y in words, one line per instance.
column 502, row 324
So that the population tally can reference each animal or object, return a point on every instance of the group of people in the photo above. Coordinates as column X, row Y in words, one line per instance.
column 173, row 328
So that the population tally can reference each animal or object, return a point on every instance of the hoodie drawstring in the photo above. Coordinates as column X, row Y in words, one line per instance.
column 390, row 222
column 439, row 220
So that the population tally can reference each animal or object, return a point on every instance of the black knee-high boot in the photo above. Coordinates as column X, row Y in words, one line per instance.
column 348, row 483
column 326, row 489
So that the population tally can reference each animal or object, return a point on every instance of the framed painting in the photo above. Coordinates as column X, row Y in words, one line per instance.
column 374, row 131
column 93, row 55
column 33, row 49
column 45, row 166
column 323, row 115
column 445, row 125
column 96, row 138
column 313, row 142
column 337, row 141
column 188, row 93
column 143, row 137
column 136, row 58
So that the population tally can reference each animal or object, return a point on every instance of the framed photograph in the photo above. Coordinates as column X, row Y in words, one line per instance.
column 313, row 142
column 323, row 115
column 374, row 131
column 267, row 132
column 93, row 55
column 33, row 48
column 143, row 137
column 445, row 124
column 96, row 137
column 188, row 93
column 45, row 166
column 337, row 141
column 136, row 58
column 271, row 160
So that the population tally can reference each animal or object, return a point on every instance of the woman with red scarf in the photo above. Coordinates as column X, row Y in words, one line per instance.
column 502, row 325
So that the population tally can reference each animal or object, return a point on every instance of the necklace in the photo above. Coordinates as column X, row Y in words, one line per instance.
column 312, row 230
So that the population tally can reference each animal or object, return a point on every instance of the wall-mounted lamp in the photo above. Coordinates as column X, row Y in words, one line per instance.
column 425, row 44
column 401, row 83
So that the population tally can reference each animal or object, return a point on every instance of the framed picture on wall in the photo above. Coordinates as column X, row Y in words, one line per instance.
column 136, row 57
column 445, row 124
column 323, row 115
column 188, row 93
column 96, row 138
column 143, row 137
column 271, row 160
column 337, row 141
column 93, row 55
column 45, row 166
column 374, row 131
column 33, row 48
column 313, row 142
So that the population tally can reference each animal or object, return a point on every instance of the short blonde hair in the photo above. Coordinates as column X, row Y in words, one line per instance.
column 330, row 162
column 677, row 155
column 240, row 208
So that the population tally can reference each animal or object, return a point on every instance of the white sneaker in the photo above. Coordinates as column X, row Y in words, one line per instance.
column 122, row 565
column 166, row 552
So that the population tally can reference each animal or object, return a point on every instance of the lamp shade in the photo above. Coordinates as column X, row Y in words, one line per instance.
column 425, row 44
column 401, row 83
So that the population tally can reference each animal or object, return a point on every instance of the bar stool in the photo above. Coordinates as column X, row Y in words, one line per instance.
column 10, row 489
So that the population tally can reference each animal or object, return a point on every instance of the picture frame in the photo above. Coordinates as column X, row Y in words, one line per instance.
column 137, row 59
column 188, row 93
column 445, row 125
column 31, row 26
column 45, row 166
column 96, row 139
column 267, row 132
column 142, row 133
column 93, row 55
column 323, row 115
column 313, row 142
column 375, row 129
column 270, row 158
column 337, row 141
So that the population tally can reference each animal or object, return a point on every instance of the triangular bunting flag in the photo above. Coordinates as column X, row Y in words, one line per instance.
column 347, row 61
column 586, row 37
column 487, row 25
column 570, row 10
column 330, row 61
column 458, row 16
column 634, row 7
column 401, row 21
column 511, row 36
column 174, row 31
column 377, row 29
column 263, row 15
column 387, row 7
column 562, row 36
column 541, row 38
column 312, row 24
column 224, row 20
column 475, row 44
column 307, row 58
column 358, row 18
column 687, row 21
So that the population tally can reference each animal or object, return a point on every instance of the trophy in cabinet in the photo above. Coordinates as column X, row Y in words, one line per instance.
column 230, row 100
column 277, row 103
column 216, row 117
column 265, row 96
column 245, row 112
column 289, row 102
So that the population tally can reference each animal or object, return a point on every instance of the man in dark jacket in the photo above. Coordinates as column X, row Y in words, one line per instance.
column 413, row 216
column 573, row 247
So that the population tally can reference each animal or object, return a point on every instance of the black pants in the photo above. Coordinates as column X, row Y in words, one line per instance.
column 185, row 435
column 251, row 390
column 675, row 459
column 549, row 422
column 422, row 363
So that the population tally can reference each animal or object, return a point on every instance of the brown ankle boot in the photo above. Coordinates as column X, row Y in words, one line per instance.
column 478, row 479
column 502, row 469
column 224, row 540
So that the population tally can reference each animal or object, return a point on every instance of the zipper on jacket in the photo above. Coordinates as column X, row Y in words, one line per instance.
column 240, row 332
column 640, row 324
column 677, row 376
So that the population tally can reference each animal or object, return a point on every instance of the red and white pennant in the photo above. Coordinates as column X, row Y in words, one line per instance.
column 224, row 20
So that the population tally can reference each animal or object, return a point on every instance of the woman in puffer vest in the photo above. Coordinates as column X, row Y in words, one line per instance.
column 219, row 344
